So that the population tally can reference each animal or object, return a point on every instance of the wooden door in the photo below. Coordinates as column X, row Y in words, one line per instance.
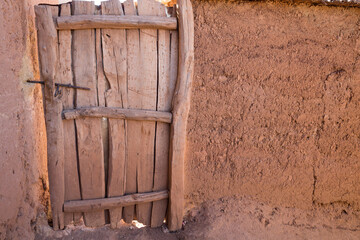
column 117, row 93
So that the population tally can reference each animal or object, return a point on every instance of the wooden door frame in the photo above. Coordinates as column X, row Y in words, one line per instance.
column 48, row 50
column 181, row 107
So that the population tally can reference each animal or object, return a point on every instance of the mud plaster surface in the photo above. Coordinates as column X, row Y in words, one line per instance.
column 22, row 134
column 275, row 108
column 274, row 116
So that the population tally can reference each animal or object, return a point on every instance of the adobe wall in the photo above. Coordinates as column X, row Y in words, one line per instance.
column 275, row 109
column 22, row 147
column 274, row 114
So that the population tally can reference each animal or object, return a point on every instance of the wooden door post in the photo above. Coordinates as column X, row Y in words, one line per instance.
column 48, row 56
column 181, row 107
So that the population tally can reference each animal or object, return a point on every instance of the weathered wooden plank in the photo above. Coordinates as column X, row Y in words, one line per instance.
column 115, row 66
column 72, row 185
column 120, row 113
column 90, row 145
column 133, row 52
column 102, row 83
column 181, row 106
column 164, row 93
column 124, row 22
column 114, row 202
column 48, row 56
column 144, row 95
column 102, row 86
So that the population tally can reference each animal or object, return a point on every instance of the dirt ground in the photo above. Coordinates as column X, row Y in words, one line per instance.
column 234, row 218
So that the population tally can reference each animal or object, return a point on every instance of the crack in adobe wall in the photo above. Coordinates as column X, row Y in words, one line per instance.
column 332, row 84
column 317, row 138
column 314, row 184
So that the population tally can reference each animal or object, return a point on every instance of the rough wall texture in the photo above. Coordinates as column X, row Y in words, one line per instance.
column 22, row 147
column 275, row 110
column 274, row 114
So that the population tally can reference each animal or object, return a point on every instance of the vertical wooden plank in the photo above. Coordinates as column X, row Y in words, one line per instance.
column 102, row 83
column 115, row 67
column 165, row 91
column 72, row 185
column 48, row 57
column 102, row 87
column 90, row 145
column 133, row 54
column 181, row 106
column 144, row 96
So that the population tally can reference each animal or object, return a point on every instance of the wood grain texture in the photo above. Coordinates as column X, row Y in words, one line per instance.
column 144, row 96
column 90, row 145
column 102, row 87
column 48, row 56
column 72, row 185
column 181, row 106
column 102, row 83
column 115, row 67
column 114, row 202
column 165, row 91
column 115, row 22
column 119, row 113
column 133, row 55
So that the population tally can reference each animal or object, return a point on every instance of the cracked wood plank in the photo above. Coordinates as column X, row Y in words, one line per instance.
column 166, row 85
column 72, row 185
column 102, row 87
column 133, row 52
column 115, row 67
column 147, row 86
column 90, row 145
column 48, row 56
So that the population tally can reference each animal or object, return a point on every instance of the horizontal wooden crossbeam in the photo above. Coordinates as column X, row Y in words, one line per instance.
column 120, row 113
column 114, row 202
column 114, row 21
